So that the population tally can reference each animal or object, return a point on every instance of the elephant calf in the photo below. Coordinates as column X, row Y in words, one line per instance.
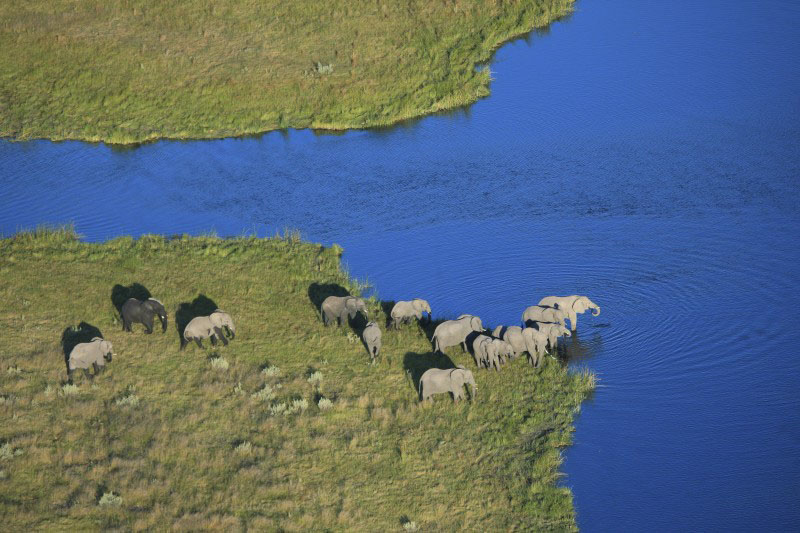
column 485, row 352
column 372, row 338
column 93, row 354
column 438, row 381
column 143, row 312
column 202, row 327
column 223, row 321
column 405, row 311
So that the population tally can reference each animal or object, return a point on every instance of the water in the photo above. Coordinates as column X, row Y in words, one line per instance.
column 645, row 155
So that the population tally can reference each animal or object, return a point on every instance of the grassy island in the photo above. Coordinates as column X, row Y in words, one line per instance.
column 126, row 71
column 287, row 428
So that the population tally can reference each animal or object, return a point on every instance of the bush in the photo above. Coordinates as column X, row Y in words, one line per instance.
column 109, row 498
column 325, row 404
column 219, row 363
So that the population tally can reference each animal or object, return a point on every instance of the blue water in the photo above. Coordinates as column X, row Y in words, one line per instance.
column 646, row 155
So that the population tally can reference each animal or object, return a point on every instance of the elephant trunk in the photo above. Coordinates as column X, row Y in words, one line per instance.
column 163, row 323
column 596, row 310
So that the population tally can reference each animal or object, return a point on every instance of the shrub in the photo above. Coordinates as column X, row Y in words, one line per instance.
column 244, row 448
column 131, row 400
column 315, row 378
column 271, row 370
column 109, row 498
column 325, row 404
column 264, row 395
column 69, row 390
column 219, row 363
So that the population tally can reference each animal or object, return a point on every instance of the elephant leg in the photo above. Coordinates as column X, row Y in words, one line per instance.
column 88, row 374
column 573, row 321
column 199, row 342
column 69, row 376
column 218, row 333
column 148, row 327
column 184, row 342
column 213, row 340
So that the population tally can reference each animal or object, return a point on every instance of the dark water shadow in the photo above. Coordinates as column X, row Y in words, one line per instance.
column 317, row 292
column 580, row 348
column 415, row 364
column 200, row 306
column 73, row 335
column 120, row 294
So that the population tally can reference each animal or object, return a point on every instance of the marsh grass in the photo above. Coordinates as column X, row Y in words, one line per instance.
column 202, row 449
column 128, row 71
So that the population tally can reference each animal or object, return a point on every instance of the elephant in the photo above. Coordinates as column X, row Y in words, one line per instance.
column 202, row 327
column 94, row 354
column 571, row 306
column 540, row 313
column 485, row 352
column 335, row 308
column 504, row 350
column 524, row 340
column 452, row 332
column 372, row 338
column 143, row 312
column 404, row 311
column 436, row 381
column 223, row 321
column 553, row 331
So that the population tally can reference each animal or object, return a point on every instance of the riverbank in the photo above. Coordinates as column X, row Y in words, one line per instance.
column 288, row 427
column 132, row 72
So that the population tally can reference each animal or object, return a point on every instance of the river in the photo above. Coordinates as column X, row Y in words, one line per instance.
column 645, row 154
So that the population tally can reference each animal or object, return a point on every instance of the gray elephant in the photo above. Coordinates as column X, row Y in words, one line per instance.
column 485, row 352
column 522, row 340
column 504, row 350
column 404, row 311
column 336, row 308
column 553, row 331
column 202, row 327
column 438, row 381
column 372, row 338
column 94, row 354
column 143, row 312
column 571, row 306
column 541, row 313
column 223, row 321
column 452, row 332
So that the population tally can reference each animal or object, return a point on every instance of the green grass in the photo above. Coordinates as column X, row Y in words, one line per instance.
column 297, row 432
column 126, row 71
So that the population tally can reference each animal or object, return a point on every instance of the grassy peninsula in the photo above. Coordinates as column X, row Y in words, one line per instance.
column 287, row 428
column 125, row 71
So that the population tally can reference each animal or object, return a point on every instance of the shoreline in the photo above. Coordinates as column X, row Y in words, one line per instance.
column 476, row 86
column 366, row 460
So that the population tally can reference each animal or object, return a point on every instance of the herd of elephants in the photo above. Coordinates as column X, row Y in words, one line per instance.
column 543, row 324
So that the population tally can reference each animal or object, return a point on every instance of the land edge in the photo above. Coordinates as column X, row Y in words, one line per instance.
column 454, row 102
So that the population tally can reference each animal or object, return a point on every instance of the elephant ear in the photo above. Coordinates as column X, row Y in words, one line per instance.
column 580, row 304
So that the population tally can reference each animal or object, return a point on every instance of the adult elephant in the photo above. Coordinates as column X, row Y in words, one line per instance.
column 223, row 321
column 336, row 308
column 542, row 313
column 452, row 332
column 403, row 311
column 143, row 312
column 86, row 355
column 572, row 306
column 453, row 380
column 528, row 340
column 553, row 331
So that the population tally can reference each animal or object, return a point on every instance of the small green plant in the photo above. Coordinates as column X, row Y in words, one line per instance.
column 4, row 399
column 14, row 370
column 271, row 370
column 69, row 389
column 278, row 409
column 410, row 526
column 323, row 69
column 298, row 405
column 245, row 448
column 315, row 378
column 325, row 404
column 110, row 499
column 219, row 363
column 7, row 452
column 131, row 400
column 264, row 395
column 238, row 388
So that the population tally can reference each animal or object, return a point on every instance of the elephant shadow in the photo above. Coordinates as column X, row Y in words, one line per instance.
column 470, row 339
column 416, row 364
column 429, row 327
column 120, row 294
column 74, row 335
column 200, row 306
column 386, row 307
column 317, row 292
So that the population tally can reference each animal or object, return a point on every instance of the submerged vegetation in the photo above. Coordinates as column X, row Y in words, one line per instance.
column 126, row 71
column 289, row 427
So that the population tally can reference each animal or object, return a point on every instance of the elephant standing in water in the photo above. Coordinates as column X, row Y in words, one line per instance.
column 336, row 308
column 403, row 311
column 143, row 312
column 372, row 338
column 437, row 381
column 87, row 355
column 202, row 327
column 571, row 306
column 553, row 331
column 541, row 313
column 223, row 321
column 452, row 332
